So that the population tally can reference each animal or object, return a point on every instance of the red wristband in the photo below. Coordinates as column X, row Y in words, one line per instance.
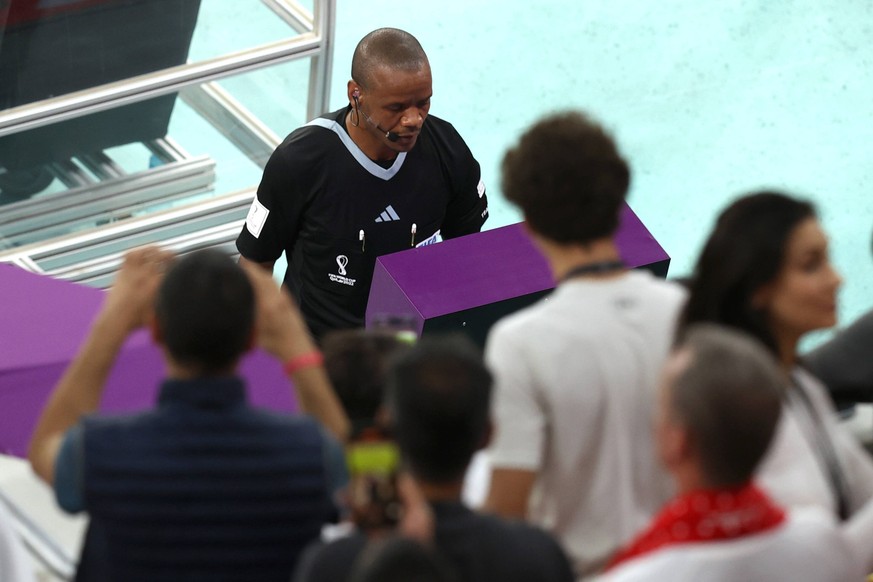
column 307, row 360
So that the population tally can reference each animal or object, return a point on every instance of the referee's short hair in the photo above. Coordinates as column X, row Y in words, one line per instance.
column 390, row 48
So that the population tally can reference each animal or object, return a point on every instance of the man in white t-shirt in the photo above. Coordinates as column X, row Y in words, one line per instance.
column 719, row 404
column 576, row 374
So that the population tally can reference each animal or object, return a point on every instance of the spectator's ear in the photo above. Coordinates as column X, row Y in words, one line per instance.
column 675, row 446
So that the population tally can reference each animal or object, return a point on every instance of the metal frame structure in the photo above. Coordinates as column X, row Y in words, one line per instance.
column 315, row 40
column 36, row 233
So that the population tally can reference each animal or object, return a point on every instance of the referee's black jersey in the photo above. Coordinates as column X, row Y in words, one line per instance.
column 333, row 211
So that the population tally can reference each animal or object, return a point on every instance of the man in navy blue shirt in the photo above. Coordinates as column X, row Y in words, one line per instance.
column 203, row 486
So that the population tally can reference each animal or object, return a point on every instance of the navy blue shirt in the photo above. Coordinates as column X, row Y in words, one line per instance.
column 202, row 487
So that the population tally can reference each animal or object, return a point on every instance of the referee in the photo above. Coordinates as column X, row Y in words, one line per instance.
column 376, row 177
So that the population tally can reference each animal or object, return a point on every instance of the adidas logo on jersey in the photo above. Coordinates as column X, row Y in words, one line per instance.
column 388, row 215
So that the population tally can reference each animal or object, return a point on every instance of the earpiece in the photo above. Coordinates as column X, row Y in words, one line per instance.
column 355, row 95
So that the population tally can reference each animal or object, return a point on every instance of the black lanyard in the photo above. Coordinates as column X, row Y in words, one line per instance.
column 827, row 453
column 597, row 268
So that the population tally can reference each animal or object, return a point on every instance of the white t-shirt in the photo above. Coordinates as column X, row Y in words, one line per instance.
column 575, row 387
column 808, row 547
column 792, row 472
column 15, row 565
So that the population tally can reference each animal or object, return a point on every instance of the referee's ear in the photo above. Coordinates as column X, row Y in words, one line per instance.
column 353, row 92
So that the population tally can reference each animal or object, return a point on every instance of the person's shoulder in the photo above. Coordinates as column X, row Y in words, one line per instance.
column 524, row 532
column 659, row 565
column 660, row 299
column 511, row 533
column 524, row 321
column 649, row 283
column 329, row 560
column 311, row 139
column 439, row 124
column 443, row 133
column 813, row 535
column 811, row 520
column 123, row 422
column 524, row 545
column 283, row 420
column 813, row 388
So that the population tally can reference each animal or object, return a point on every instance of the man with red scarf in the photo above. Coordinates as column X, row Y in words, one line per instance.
column 718, row 409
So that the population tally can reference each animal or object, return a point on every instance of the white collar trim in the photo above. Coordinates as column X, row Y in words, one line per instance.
column 362, row 159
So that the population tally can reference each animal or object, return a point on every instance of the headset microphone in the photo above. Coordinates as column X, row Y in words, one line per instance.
column 389, row 135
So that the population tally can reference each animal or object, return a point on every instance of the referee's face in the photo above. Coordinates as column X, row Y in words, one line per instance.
column 397, row 102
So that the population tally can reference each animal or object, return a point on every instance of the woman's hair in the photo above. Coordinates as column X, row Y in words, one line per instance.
column 744, row 252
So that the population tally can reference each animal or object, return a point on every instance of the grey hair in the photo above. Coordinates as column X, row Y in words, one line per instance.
column 729, row 396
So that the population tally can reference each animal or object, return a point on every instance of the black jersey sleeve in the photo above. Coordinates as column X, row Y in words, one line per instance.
column 272, row 223
column 468, row 207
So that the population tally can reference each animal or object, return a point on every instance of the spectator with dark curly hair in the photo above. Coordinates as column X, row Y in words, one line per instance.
column 575, row 375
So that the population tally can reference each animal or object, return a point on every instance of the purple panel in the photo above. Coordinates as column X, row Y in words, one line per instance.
column 469, row 271
column 42, row 323
column 23, row 392
column 42, row 320
column 637, row 245
column 486, row 267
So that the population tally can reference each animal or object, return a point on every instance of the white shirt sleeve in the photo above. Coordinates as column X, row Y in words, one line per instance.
column 15, row 565
column 518, row 414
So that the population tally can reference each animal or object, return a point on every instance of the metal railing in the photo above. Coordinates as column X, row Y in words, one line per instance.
column 316, row 41
column 82, row 234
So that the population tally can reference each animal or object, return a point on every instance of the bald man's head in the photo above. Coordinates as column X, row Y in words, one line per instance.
column 387, row 48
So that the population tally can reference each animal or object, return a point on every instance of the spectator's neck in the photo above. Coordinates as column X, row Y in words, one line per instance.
column 435, row 492
column 787, row 346
column 689, row 477
column 179, row 371
column 564, row 258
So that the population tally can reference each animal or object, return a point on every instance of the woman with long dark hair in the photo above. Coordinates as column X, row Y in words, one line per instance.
column 765, row 270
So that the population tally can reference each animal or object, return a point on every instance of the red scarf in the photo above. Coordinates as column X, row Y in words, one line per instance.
column 704, row 516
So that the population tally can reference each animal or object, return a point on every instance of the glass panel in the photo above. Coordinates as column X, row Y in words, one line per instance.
column 49, row 49
column 148, row 156
column 225, row 27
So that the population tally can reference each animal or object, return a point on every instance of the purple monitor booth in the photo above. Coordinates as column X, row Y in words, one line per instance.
column 467, row 284
column 461, row 284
